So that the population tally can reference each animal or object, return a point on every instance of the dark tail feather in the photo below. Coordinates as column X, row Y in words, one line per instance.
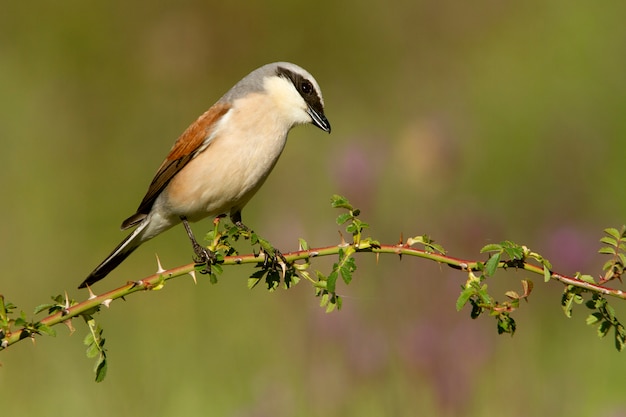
column 116, row 257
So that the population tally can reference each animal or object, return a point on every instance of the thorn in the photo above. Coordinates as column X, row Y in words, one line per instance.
column 343, row 241
column 91, row 294
column 193, row 276
column 378, row 257
column 283, row 267
column 107, row 302
column 66, row 308
column 160, row 269
column 401, row 242
column 68, row 323
column 139, row 283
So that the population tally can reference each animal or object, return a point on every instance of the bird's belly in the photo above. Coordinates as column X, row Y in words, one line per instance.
column 219, row 180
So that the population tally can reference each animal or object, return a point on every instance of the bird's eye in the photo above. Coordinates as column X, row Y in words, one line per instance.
column 306, row 87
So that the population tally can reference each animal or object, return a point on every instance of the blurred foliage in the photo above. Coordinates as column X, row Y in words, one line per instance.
column 473, row 122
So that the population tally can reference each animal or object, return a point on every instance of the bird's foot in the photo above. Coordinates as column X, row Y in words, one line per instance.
column 274, row 259
column 203, row 258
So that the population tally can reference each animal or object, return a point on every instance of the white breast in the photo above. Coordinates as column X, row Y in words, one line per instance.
column 222, row 178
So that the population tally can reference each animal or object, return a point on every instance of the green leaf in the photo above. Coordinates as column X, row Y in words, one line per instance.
column 331, row 281
column 483, row 295
column 93, row 350
column 325, row 297
column 608, row 265
column 620, row 337
column 607, row 250
column 593, row 318
column 338, row 201
column 610, row 311
column 101, row 369
column 88, row 340
column 587, row 278
column 303, row 244
column 291, row 279
column 344, row 217
column 613, row 232
column 338, row 301
column 513, row 250
column 567, row 303
column 433, row 247
column 42, row 307
column 332, row 304
column 546, row 263
column 547, row 275
column 506, row 324
column 609, row 241
column 47, row 330
column 464, row 297
column 492, row 264
column 252, row 282
column 347, row 269
column 604, row 328
column 492, row 247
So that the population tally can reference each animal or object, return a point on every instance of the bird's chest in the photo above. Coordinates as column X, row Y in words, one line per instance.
column 226, row 174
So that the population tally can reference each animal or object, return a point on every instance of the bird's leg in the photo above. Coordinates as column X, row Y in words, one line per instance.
column 203, row 256
column 236, row 219
column 273, row 254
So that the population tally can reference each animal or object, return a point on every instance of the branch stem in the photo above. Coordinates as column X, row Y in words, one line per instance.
column 157, row 280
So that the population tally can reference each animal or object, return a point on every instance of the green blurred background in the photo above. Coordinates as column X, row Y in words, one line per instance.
column 472, row 122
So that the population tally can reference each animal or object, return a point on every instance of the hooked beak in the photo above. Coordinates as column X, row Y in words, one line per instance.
column 319, row 120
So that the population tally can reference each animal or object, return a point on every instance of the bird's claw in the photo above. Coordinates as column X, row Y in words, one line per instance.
column 203, row 258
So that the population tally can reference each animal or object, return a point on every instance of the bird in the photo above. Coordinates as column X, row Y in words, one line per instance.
column 222, row 159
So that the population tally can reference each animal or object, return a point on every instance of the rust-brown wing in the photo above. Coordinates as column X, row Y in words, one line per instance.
column 185, row 148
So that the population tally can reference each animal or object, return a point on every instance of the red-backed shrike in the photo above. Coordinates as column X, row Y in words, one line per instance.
column 223, row 158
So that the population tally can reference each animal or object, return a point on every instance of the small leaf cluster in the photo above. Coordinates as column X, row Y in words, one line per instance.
column 6, row 309
column 603, row 314
column 326, row 286
column 616, row 247
column 354, row 225
column 28, row 328
column 94, row 340
column 604, row 317
column 219, row 244
column 275, row 268
column 95, row 347
column 475, row 292
column 272, row 268
column 511, row 255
